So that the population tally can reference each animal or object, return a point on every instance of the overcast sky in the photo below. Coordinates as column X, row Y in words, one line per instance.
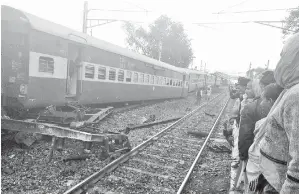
column 227, row 48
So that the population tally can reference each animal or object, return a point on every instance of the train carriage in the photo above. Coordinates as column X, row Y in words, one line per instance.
column 44, row 63
column 196, row 79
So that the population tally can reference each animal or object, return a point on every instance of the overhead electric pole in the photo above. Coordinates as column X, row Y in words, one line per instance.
column 85, row 11
column 267, row 65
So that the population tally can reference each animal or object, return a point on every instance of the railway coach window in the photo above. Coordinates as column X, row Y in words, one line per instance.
column 152, row 79
column 141, row 78
column 89, row 71
column 135, row 78
column 121, row 75
column 46, row 64
column 167, row 81
column 102, row 73
column 112, row 74
column 129, row 76
column 156, row 80
column 160, row 80
column 146, row 79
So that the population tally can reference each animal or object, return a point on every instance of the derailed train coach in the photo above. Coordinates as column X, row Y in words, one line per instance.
column 44, row 63
column 201, row 79
column 196, row 79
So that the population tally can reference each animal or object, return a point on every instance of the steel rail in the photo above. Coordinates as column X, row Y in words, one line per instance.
column 83, row 185
column 201, row 150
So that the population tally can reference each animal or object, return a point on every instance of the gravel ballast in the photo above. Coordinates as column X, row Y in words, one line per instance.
column 25, row 170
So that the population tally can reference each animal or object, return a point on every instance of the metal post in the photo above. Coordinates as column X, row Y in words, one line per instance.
column 85, row 11
column 267, row 66
column 160, row 50
column 205, row 75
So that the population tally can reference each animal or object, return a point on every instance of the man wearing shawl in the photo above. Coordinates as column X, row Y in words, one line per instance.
column 279, row 147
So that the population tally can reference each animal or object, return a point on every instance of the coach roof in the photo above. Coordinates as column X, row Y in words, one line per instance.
column 67, row 33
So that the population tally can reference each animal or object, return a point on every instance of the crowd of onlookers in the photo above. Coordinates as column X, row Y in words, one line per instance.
column 263, row 128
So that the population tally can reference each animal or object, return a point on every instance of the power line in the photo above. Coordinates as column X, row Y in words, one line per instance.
column 118, row 10
column 274, row 26
column 111, row 19
column 239, row 22
column 196, row 23
column 254, row 11
column 257, row 22
column 136, row 6
column 233, row 6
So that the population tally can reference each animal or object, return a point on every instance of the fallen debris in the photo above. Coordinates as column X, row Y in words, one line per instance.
column 219, row 146
column 23, row 138
column 77, row 157
column 198, row 134
column 7, row 170
column 131, row 127
column 209, row 114
column 152, row 118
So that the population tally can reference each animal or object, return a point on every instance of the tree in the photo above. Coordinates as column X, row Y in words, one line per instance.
column 292, row 22
column 163, row 35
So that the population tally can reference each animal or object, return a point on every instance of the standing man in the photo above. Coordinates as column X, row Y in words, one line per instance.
column 209, row 91
column 198, row 95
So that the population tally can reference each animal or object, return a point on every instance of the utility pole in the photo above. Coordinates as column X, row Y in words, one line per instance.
column 85, row 11
column 249, row 73
column 160, row 50
column 267, row 65
column 205, row 75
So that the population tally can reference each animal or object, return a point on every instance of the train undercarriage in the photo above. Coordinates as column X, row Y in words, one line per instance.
column 73, row 121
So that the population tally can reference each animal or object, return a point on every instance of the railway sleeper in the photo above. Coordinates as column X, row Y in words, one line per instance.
column 111, row 143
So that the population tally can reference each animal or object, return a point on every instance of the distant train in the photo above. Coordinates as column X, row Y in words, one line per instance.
column 44, row 64
column 200, row 79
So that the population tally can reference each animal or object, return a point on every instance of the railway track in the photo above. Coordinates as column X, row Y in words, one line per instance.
column 158, row 165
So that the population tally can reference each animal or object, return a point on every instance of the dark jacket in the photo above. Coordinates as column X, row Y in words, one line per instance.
column 249, row 116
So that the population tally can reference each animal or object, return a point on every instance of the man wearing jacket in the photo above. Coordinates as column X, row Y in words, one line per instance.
column 251, row 113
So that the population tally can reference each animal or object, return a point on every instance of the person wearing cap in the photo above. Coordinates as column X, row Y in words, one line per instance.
column 279, row 147
column 234, row 118
column 241, row 87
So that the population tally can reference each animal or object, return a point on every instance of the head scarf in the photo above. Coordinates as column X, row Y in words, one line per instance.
column 287, row 70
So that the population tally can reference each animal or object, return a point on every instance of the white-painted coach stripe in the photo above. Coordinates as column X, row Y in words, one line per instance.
column 95, row 79
column 60, row 66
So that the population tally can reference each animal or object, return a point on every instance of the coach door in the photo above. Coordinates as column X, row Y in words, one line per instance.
column 183, row 86
column 73, row 70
